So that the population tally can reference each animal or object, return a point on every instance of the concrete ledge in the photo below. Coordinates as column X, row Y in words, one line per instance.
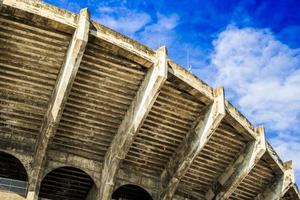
column 240, row 122
column 190, row 79
column 123, row 45
column 30, row 9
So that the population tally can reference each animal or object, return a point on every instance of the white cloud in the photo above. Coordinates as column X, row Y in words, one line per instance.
column 261, row 76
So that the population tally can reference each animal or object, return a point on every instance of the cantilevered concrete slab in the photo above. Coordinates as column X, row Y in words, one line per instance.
column 119, row 112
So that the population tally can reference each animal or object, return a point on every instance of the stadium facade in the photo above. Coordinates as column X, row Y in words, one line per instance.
column 88, row 114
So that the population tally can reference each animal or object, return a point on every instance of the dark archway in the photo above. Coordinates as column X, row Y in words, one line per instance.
column 131, row 192
column 13, row 175
column 66, row 183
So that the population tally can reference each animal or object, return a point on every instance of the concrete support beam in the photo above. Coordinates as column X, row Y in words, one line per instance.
column 59, row 97
column 235, row 173
column 192, row 145
column 132, row 121
column 277, row 190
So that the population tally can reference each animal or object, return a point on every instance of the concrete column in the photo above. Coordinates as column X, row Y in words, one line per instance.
column 132, row 121
column 59, row 97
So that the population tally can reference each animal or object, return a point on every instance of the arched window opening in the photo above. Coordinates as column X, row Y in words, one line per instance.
column 131, row 192
column 66, row 183
column 13, row 175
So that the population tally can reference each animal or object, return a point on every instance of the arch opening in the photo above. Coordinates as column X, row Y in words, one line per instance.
column 131, row 192
column 66, row 183
column 13, row 176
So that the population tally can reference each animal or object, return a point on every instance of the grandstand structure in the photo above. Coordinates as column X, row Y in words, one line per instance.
column 87, row 113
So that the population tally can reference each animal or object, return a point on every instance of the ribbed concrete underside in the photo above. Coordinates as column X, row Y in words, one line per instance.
column 222, row 149
column 30, row 59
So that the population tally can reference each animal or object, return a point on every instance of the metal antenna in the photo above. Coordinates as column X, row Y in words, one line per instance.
column 189, row 66
column 187, row 58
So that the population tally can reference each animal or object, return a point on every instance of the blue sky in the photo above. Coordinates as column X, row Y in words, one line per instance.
column 252, row 48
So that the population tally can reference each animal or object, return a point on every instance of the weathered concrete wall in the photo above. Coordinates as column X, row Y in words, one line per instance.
column 61, row 159
column 150, row 184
